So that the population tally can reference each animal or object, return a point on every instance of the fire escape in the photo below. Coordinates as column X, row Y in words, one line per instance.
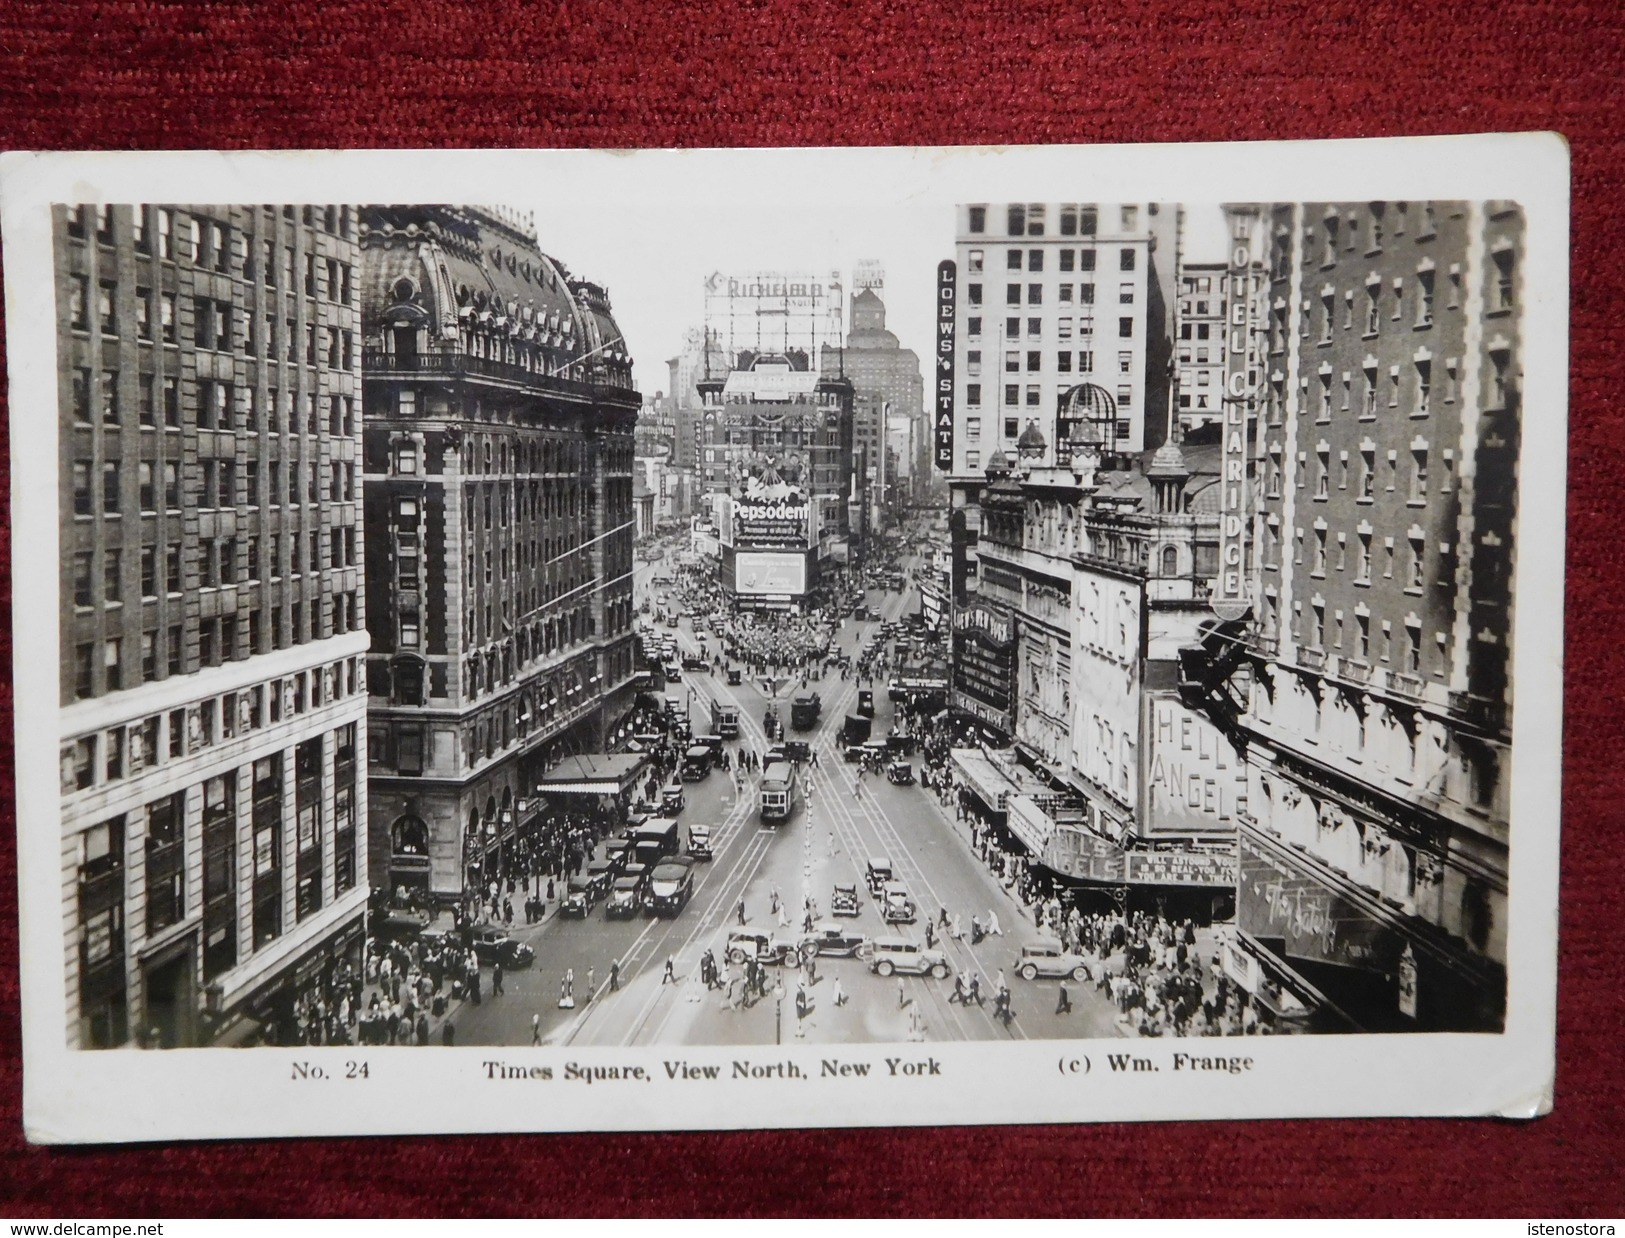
column 1205, row 673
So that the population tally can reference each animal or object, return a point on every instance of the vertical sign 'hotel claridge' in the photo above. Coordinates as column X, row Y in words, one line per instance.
column 947, row 300
column 1231, row 594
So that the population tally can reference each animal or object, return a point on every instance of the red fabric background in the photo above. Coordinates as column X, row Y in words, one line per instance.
column 751, row 73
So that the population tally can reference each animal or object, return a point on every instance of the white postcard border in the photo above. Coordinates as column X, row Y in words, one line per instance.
column 128, row 1095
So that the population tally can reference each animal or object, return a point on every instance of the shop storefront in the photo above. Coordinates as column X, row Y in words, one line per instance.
column 1370, row 966
column 267, row 1014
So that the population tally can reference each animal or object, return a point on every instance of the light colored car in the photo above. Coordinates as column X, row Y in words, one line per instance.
column 746, row 944
column 1046, row 957
column 904, row 956
column 897, row 906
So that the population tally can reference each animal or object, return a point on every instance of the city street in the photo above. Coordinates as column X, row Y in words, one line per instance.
column 830, row 838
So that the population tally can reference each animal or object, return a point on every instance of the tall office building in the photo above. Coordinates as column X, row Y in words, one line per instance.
column 887, row 382
column 1199, row 365
column 212, row 624
column 1053, row 298
column 499, row 422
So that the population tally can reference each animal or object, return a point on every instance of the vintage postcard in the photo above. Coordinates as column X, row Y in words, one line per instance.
column 588, row 640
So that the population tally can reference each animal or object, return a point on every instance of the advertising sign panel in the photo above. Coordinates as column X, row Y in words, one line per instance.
column 984, row 664
column 1078, row 852
column 947, row 303
column 1276, row 899
column 780, row 522
column 1106, row 684
column 1196, row 781
column 758, row 575
column 1179, row 868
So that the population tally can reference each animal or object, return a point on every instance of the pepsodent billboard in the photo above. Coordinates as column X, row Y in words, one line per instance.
column 756, row 575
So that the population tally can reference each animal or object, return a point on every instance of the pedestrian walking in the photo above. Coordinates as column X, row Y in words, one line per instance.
column 902, row 994
column 993, row 929
column 535, row 1029
column 591, row 990
column 741, row 912
column 1063, row 1004
column 670, row 976
column 448, row 1034
column 496, row 980
column 836, row 995
column 615, row 976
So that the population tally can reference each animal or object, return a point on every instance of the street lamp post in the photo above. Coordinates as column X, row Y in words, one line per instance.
column 778, row 1012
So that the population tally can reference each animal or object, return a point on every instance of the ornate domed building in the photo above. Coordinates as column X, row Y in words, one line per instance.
column 498, row 421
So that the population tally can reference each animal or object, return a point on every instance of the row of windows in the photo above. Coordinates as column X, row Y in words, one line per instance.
column 1032, row 393
column 218, row 405
column 218, row 560
column 1365, row 229
column 1033, row 260
column 1366, row 558
column 1355, row 636
column 1035, row 362
column 209, row 243
column 1033, row 294
column 110, row 756
column 100, row 666
column 217, row 326
column 332, row 482
column 1072, row 219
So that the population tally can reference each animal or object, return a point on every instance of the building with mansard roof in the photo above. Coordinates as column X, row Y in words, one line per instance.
column 499, row 415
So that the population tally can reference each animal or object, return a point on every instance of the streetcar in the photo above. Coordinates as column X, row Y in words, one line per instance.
column 780, row 792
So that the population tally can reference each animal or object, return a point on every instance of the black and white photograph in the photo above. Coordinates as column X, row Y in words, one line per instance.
column 1056, row 635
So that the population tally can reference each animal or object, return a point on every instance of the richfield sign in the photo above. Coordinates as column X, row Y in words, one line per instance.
column 947, row 301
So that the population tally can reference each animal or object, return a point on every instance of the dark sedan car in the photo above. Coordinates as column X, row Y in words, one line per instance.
column 579, row 898
column 493, row 945
column 836, row 940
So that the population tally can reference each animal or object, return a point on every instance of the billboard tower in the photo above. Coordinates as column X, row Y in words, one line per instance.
column 774, row 312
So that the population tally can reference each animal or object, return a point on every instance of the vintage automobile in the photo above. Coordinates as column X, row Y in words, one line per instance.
column 493, row 945
column 866, row 702
column 907, row 957
column 694, row 662
column 900, row 773
column 797, row 749
column 845, row 901
column 672, row 801
column 601, row 875
column 735, row 676
column 833, row 940
column 897, row 905
column 579, row 897
column 699, row 841
column 853, row 753
column 625, row 899
column 639, row 873
column 1047, row 957
column 877, row 874
column 745, row 944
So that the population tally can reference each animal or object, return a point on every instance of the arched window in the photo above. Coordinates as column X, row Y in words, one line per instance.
column 1170, row 561
column 409, row 836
